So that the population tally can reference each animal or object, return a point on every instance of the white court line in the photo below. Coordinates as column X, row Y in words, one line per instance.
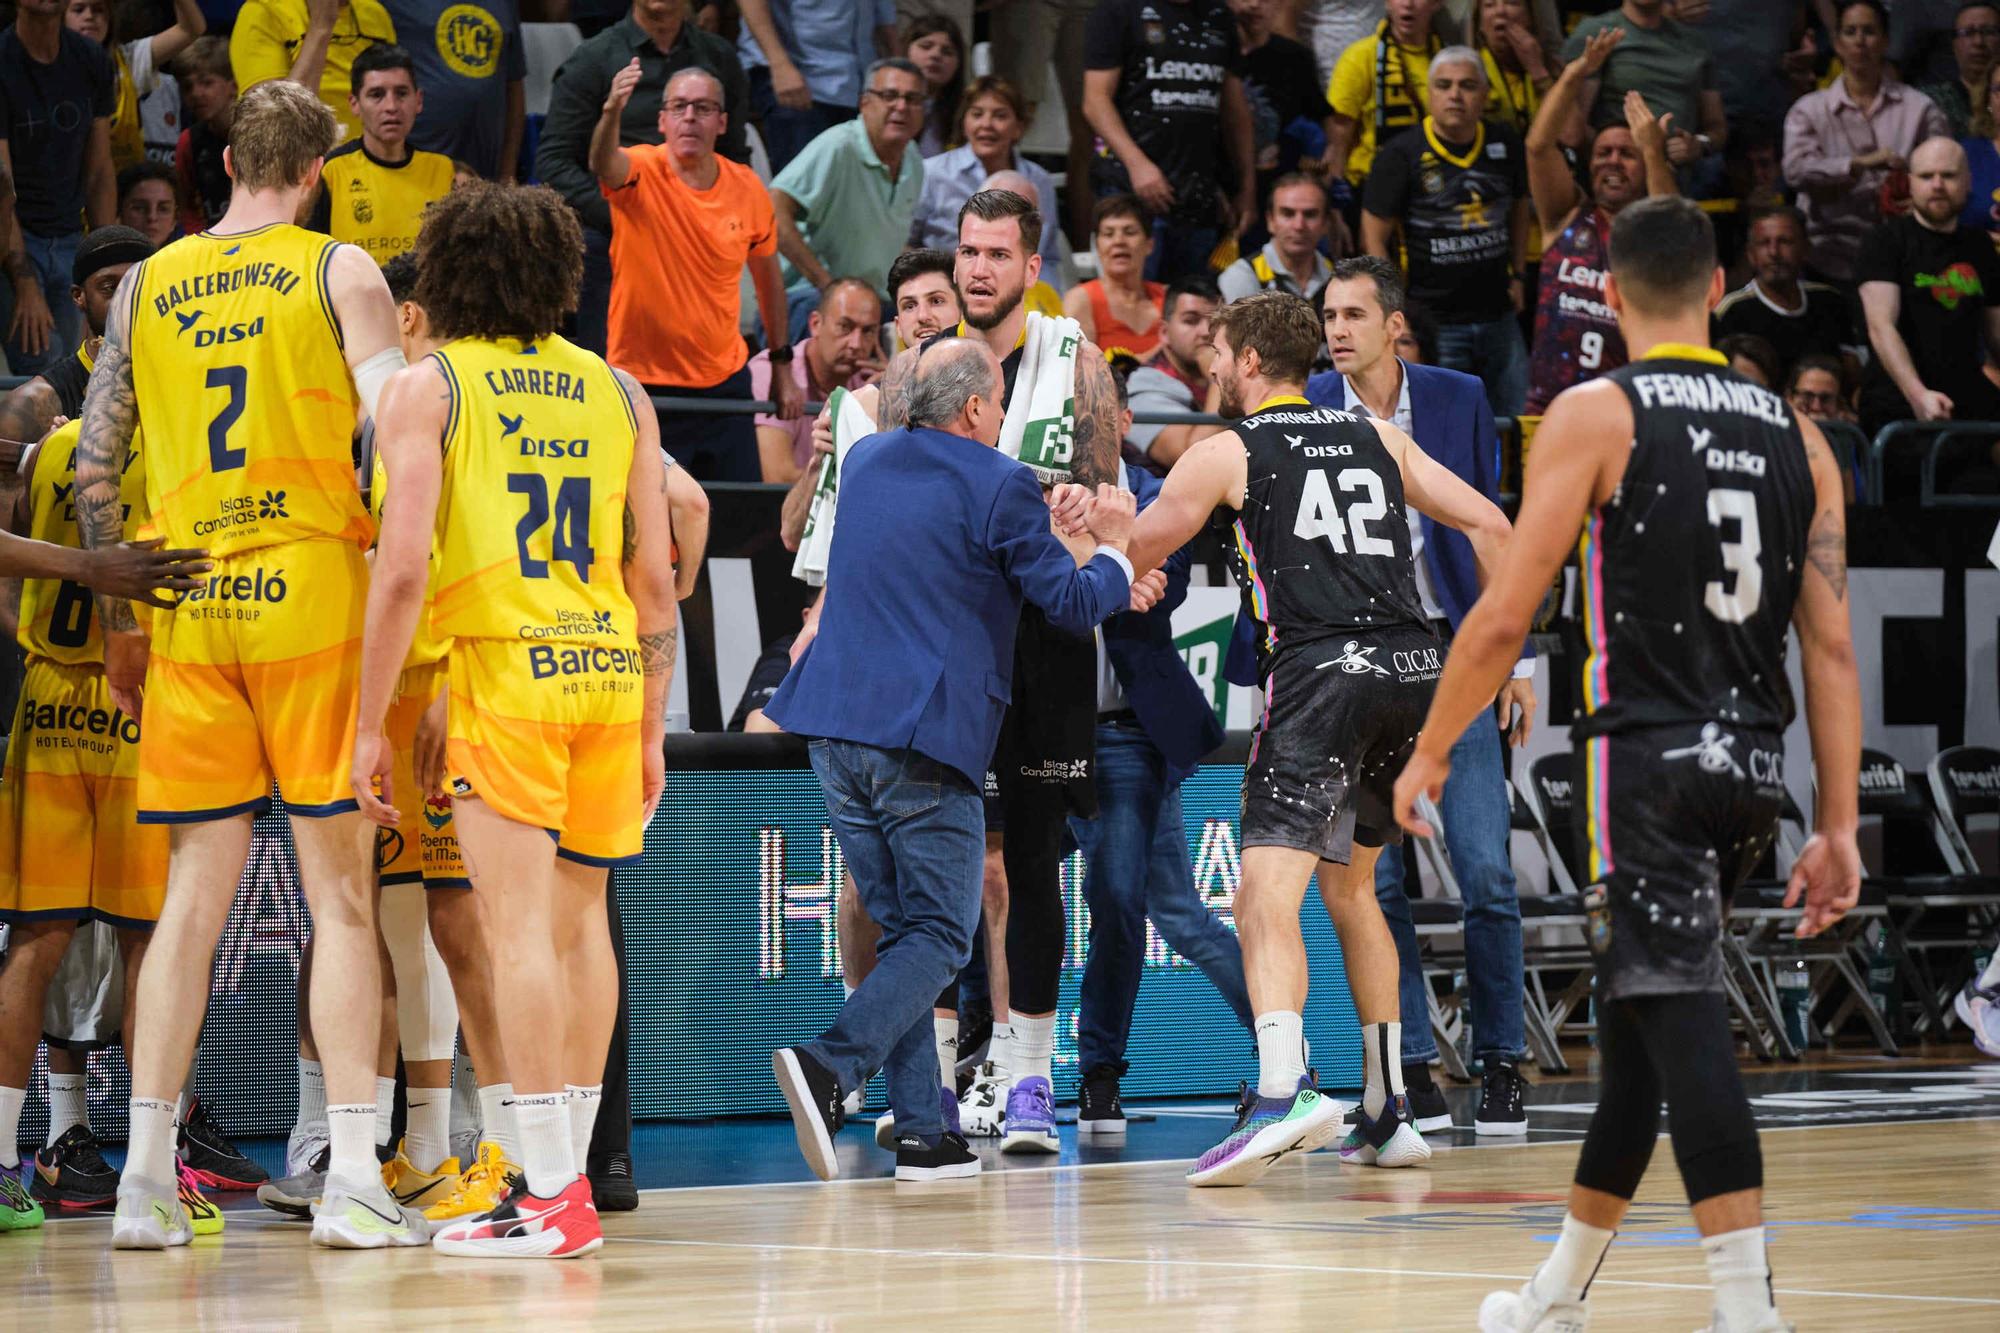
column 893, row 1253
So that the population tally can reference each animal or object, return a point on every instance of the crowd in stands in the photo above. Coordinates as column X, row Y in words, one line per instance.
column 737, row 166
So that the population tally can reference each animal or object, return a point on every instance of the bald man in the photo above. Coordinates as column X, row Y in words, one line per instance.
column 941, row 539
column 1929, row 289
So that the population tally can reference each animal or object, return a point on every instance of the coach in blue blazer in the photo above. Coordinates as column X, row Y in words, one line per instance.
column 1446, row 413
column 939, row 538
column 1154, row 725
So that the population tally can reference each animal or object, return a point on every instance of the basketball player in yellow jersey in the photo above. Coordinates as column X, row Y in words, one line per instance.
column 539, row 470
column 249, row 353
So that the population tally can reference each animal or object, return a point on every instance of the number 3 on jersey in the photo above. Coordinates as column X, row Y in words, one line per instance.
column 569, row 541
column 1318, row 516
column 1740, row 558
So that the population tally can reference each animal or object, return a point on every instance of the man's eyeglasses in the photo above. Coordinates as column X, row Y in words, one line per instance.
column 1811, row 403
column 1986, row 30
column 894, row 99
column 680, row 108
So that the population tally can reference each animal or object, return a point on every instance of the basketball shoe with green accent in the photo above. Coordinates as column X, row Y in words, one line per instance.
column 1266, row 1129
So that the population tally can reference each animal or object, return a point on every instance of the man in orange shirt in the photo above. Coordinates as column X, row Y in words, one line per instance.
column 686, row 222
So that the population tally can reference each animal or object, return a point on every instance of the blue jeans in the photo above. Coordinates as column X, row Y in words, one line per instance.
column 1495, row 352
column 53, row 257
column 913, row 833
column 786, row 131
column 1476, row 832
column 1136, row 856
column 1179, row 250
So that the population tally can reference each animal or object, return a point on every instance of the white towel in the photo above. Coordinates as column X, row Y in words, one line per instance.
column 1041, row 416
column 850, row 423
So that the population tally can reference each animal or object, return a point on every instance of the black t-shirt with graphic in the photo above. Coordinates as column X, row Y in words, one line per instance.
column 1171, row 57
column 46, row 115
column 1947, row 280
column 1455, row 201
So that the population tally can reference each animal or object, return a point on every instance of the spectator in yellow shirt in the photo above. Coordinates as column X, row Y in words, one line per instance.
column 310, row 42
column 1378, row 86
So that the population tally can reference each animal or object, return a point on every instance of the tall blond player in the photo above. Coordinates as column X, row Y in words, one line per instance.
column 249, row 353
column 538, row 470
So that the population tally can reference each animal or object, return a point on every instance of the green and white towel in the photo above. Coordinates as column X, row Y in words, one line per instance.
column 1041, row 416
column 850, row 423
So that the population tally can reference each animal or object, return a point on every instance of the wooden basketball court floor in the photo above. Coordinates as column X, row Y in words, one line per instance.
column 1883, row 1198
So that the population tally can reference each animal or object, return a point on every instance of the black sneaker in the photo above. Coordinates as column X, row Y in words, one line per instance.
column 1427, row 1102
column 948, row 1159
column 814, row 1095
column 216, row 1163
column 975, row 1036
column 1098, row 1113
column 611, row 1186
column 72, row 1173
column 1502, row 1094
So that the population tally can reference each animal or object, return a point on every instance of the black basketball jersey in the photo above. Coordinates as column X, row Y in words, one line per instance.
column 1322, row 545
column 1690, row 571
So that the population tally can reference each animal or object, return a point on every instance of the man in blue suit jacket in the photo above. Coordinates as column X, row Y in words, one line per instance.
column 1447, row 414
column 939, row 539
column 1154, row 725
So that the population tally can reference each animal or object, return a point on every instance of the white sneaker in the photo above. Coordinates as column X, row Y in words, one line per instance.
column 363, row 1216
column 1979, row 1010
column 1524, row 1312
column 852, row 1104
column 149, row 1216
column 304, row 1144
column 982, row 1111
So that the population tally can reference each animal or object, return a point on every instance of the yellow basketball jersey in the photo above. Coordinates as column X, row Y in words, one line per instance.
column 429, row 646
column 531, row 520
column 244, row 393
column 379, row 205
column 58, row 618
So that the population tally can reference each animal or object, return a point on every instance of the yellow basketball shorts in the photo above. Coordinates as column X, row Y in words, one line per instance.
column 425, row 849
column 70, row 843
column 254, row 677
column 548, row 735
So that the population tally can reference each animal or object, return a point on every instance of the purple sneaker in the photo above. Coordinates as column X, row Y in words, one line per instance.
column 1031, row 1118
column 1266, row 1129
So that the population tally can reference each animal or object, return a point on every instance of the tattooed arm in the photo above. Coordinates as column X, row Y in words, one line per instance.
column 1828, row 871
column 110, row 416
column 1096, row 434
column 26, row 413
column 649, row 582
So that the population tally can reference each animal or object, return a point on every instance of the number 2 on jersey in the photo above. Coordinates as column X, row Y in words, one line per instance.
column 569, row 542
column 222, row 458
column 1318, row 516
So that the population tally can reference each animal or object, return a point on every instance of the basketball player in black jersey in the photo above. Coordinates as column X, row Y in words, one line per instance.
column 1321, row 546
column 1711, row 520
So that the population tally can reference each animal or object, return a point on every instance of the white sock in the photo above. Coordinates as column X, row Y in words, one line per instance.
column 1382, row 1066
column 1991, row 976
column 947, row 1049
column 149, row 1145
column 427, row 1129
column 385, row 1109
column 1034, row 1045
column 68, row 1104
column 1000, row 1051
column 1281, row 1052
column 547, row 1153
column 846, row 989
column 312, row 1092
column 352, row 1130
column 1566, row 1274
column 583, row 1104
column 497, row 1117
column 11, row 1101
column 1741, row 1272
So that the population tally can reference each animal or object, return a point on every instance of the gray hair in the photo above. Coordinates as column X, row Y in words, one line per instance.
column 901, row 64
column 948, row 375
column 685, row 71
column 1461, row 55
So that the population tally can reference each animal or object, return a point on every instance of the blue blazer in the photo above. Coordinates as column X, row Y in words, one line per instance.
column 1451, row 421
column 1162, row 692
column 939, row 539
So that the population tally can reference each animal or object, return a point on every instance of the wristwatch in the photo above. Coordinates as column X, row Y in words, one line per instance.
column 781, row 355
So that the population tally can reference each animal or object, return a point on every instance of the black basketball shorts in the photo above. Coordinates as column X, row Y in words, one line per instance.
column 1341, row 716
column 1671, row 821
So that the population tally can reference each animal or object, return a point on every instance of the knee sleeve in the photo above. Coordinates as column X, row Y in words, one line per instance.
column 1033, row 852
column 1626, row 1124
column 1708, row 1114
column 426, row 1009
